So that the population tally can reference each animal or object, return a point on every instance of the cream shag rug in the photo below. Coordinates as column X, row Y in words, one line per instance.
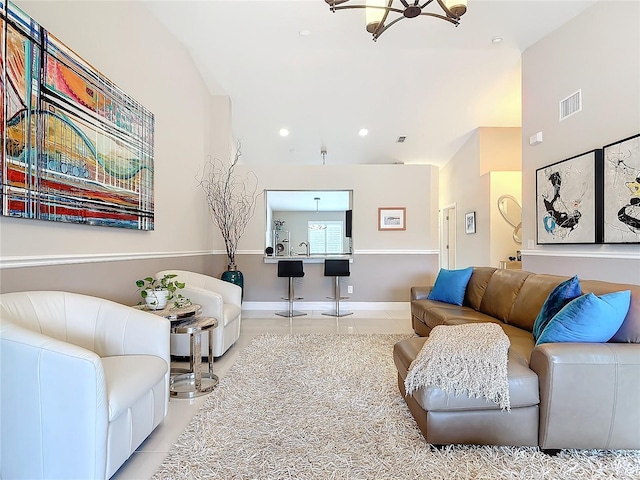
column 328, row 407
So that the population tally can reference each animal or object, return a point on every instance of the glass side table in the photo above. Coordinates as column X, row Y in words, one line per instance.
column 191, row 382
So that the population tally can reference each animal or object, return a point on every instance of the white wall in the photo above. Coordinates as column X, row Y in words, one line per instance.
column 153, row 68
column 469, row 180
column 598, row 52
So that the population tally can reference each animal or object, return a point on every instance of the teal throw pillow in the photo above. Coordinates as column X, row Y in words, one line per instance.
column 450, row 285
column 588, row 318
column 558, row 298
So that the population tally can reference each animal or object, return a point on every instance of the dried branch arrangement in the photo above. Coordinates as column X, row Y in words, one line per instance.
column 231, row 199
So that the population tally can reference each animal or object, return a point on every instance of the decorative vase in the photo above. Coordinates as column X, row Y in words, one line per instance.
column 156, row 299
column 233, row 275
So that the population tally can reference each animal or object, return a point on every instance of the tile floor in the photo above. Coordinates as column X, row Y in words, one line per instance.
column 145, row 461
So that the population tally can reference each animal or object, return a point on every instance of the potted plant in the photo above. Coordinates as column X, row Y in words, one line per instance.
column 157, row 293
column 232, row 203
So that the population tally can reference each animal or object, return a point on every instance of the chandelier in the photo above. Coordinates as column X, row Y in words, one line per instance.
column 377, row 11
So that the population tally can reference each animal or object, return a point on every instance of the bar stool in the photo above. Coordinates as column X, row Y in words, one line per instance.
column 337, row 268
column 292, row 269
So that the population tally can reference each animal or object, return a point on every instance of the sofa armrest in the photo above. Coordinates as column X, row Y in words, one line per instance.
column 53, row 395
column 420, row 293
column 588, row 395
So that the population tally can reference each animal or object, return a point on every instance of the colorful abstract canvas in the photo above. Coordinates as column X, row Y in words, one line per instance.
column 75, row 147
column 568, row 200
column 622, row 191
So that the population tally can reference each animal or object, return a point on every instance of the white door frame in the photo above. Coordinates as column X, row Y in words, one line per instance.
column 448, row 236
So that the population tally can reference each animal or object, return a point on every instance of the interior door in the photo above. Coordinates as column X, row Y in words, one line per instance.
column 448, row 237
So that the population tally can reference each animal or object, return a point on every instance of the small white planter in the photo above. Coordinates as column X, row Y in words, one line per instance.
column 156, row 299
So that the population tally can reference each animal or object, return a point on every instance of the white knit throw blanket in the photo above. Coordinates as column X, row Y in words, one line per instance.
column 469, row 358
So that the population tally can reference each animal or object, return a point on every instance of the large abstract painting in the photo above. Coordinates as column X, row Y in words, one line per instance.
column 622, row 191
column 568, row 200
column 75, row 147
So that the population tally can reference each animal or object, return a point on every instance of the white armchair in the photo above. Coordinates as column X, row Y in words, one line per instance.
column 83, row 382
column 220, row 300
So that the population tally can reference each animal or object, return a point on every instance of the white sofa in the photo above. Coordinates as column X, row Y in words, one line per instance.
column 83, row 382
column 220, row 300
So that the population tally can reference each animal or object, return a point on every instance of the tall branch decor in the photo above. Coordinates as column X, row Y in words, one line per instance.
column 231, row 200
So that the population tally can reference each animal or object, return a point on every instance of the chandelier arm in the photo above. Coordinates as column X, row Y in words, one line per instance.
column 380, row 28
column 426, row 4
column 349, row 7
column 377, row 33
column 404, row 2
column 453, row 20
column 447, row 11
column 333, row 3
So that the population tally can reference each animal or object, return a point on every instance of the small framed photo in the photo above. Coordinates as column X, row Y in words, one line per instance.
column 392, row 218
column 470, row 222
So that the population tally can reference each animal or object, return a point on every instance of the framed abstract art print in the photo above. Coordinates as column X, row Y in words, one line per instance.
column 622, row 191
column 569, row 200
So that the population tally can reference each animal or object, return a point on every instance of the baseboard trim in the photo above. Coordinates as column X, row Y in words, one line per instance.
column 307, row 306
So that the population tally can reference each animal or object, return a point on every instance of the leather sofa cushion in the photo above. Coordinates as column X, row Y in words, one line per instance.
column 630, row 329
column 477, row 286
column 433, row 313
column 532, row 295
column 128, row 377
column 523, row 382
column 501, row 293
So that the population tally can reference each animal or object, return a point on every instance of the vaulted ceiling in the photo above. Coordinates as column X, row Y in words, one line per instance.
column 424, row 78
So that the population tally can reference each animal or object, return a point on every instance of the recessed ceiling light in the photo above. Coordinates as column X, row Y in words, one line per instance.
column 363, row 132
column 496, row 40
column 304, row 33
column 284, row 132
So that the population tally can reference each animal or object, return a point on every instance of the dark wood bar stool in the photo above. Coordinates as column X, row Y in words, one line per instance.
column 337, row 268
column 292, row 269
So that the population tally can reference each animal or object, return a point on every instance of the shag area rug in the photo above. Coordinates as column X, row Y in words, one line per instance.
column 328, row 407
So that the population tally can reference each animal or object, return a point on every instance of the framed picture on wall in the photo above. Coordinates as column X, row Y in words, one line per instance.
column 622, row 191
column 470, row 222
column 392, row 218
column 569, row 200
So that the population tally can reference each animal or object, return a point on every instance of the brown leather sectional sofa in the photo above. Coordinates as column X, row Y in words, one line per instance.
column 563, row 395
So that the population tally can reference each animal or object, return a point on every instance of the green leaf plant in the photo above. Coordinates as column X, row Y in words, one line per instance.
column 165, row 283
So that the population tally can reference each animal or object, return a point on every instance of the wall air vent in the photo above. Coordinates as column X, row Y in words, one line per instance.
column 401, row 139
column 571, row 105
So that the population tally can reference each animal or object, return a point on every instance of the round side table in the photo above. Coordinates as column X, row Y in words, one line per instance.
column 193, row 383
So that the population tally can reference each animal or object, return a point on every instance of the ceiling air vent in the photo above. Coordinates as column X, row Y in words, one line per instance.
column 570, row 105
column 401, row 139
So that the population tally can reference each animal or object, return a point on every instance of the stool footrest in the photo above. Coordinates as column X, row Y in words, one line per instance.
column 294, row 313
column 337, row 314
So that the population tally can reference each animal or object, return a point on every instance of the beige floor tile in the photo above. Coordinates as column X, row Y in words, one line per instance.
column 140, row 466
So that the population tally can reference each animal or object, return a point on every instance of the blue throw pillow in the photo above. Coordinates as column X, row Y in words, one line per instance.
column 558, row 298
column 588, row 318
column 451, row 285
